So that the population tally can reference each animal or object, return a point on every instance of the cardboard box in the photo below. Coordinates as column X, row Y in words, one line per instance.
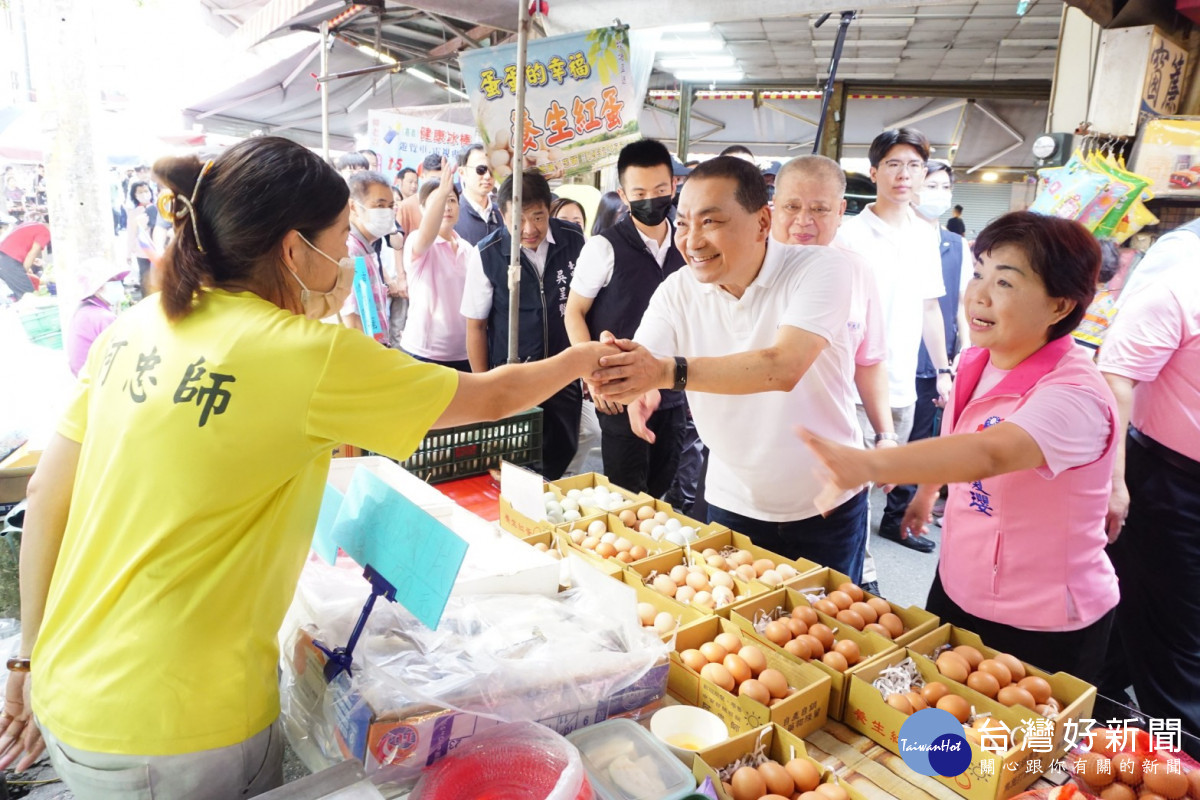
column 781, row 747
column 870, row 645
column 613, row 523
column 15, row 472
column 1077, row 697
column 399, row 748
column 917, row 621
column 719, row 541
column 639, row 571
column 518, row 524
column 1007, row 775
column 803, row 712
column 590, row 480
column 685, row 615
column 703, row 529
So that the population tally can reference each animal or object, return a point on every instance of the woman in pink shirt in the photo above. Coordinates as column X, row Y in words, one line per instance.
column 99, row 284
column 435, row 263
column 1030, row 460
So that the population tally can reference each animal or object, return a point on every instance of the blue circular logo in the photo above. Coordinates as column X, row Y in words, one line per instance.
column 931, row 743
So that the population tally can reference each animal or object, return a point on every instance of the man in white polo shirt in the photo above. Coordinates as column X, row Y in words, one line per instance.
column 763, row 327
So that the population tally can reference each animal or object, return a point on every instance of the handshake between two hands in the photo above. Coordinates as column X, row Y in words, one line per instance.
column 625, row 375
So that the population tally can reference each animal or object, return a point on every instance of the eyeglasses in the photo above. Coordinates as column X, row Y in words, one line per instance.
column 482, row 169
column 814, row 211
column 896, row 167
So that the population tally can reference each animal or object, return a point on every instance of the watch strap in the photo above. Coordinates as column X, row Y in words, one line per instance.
column 681, row 374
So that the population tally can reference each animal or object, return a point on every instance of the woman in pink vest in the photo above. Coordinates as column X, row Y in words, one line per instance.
column 1030, row 460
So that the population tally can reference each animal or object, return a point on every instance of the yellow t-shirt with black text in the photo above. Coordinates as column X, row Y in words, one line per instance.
column 205, row 446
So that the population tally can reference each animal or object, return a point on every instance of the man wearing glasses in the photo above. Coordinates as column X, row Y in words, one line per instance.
column 903, row 251
column 478, row 215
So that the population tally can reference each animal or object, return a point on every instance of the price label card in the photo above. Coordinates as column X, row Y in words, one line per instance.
column 523, row 489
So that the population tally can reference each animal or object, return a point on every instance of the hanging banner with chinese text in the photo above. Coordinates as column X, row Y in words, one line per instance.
column 403, row 141
column 581, row 102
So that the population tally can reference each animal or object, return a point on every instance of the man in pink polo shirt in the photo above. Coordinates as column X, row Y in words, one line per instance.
column 372, row 209
column 1151, row 359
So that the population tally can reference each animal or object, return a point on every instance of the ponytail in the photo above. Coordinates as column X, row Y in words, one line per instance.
column 185, row 268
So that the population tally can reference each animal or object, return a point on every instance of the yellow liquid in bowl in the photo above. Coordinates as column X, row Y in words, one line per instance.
column 685, row 741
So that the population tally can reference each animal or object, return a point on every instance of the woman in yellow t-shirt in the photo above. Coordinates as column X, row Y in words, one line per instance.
column 171, row 514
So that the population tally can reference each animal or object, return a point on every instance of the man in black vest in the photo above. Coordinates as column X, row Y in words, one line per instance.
column 549, row 250
column 619, row 270
column 478, row 215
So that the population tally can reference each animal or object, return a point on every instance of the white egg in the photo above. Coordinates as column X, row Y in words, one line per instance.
column 574, row 494
column 609, row 537
column 570, row 516
column 555, row 519
column 612, row 503
column 689, row 534
column 675, row 537
column 770, row 578
column 553, row 507
column 550, row 497
column 658, row 532
column 722, row 595
column 577, row 536
column 786, row 571
column 586, row 493
column 673, row 524
column 661, row 518
column 601, row 490
column 597, row 528
column 570, row 504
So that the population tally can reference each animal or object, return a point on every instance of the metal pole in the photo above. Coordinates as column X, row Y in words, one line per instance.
column 524, row 21
column 847, row 16
column 324, row 88
column 685, row 121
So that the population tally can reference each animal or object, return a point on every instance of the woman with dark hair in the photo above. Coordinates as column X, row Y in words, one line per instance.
column 143, row 217
column 610, row 209
column 571, row 211
column 170, row 515
column 1027, row 447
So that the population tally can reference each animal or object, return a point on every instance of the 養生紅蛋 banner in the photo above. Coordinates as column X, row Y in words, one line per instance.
column 404, row 141
column 581, row 101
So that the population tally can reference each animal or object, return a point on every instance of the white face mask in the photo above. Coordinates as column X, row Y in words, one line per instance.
column 112, row 293
column 934, row 203
column 319, row 305
column 378, row 222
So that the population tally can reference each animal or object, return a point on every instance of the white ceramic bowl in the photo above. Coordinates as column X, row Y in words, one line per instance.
column 686, row 729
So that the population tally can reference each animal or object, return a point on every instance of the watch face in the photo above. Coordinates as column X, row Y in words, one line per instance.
column 1044, row 146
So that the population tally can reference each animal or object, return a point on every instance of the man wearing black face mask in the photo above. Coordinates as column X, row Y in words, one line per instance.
column 618, row 271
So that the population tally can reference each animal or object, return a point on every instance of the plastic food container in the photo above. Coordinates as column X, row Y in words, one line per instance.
column 625, row 762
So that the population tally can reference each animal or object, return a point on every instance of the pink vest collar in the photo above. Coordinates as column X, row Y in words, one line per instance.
column 1018, row 382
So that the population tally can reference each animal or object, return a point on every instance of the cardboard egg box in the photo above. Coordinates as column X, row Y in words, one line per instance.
column 702, row 529
column 781, row 747
column 917, row 621
column 1077, row 697
column 870, row 645
column 613, row 523
column 1008, row 774
column 686, row 615
column 721, row 540
column 638, row 572
column 590, row 480
column 802, row 712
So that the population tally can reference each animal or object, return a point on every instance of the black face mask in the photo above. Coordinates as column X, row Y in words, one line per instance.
column 651, row 211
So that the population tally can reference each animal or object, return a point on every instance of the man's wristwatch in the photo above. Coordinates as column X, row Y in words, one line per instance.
column 945, row 371
column 680, row 374
column 886, row 437
column 16, row 664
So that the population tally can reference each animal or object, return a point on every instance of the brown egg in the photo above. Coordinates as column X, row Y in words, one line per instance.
column 794, row 625
column 713, row 652
column 932, row 692
column 1036, row 686
column 865, row 611
column 799, row 648
column 1101, row 739
column 645, row 512
column 748, row 784
column 1015, row 667
column 755, row 690
column 698, row 581
column 832, row 791
column 984, row 682
column 625, row 557
column 880, row 605
column 826, row 607
column 894, row 624
column 916, row 700
column 810, row 796
column 715, row 673
column 953, row 666
column 693, row 659
column 638, row 552
column 849, row 649
column 999, row 670
column 777, row 779
column 806, row 614
column 730, row 641
column 1128, row 768
column 628, row 517
column 973, row 735
column 803, row 773
column 716, row 562
column 1117, row 791
column 957, row 706
column 840, row 599
column 728, row 787
column 737, row 667
column 1094, row 769
column 664, row 585
column 761, row 565
column 815, row 648
column 778, row 633
column 875, row 627
column 1150, row 796
column 1171, row 785
column 835, row 661
column 824, row 633
column 972, row 655
column 854, row 590
column 754, row 658
column 745, row 572
column 1015, row 696
column 773, row 796
column 775, row 682
column 851, row 618
column 900, row 703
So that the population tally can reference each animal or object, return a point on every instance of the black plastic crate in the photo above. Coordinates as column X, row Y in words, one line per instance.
column 468, row 450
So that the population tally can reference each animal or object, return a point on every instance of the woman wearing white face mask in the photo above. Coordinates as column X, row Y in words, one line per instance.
column 99, row 284
column 170, row 516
